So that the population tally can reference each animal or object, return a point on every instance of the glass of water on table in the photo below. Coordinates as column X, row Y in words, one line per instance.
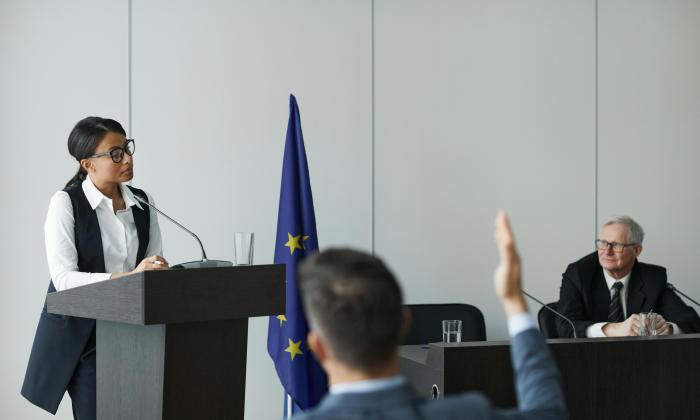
column 451, row 331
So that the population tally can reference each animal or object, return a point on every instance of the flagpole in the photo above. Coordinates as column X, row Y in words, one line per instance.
column 289, row 407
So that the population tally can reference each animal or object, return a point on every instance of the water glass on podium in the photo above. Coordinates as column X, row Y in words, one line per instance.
column 243, row 248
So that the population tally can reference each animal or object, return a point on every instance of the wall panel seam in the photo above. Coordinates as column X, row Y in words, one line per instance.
column 372, row 134
column 129, row 69
column 596, row 169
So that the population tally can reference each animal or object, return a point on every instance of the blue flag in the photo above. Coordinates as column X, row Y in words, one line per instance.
column 301, row 375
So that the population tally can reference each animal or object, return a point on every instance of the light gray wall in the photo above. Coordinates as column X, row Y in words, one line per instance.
column 649, row 128
column 59, row 61
column 490, row 106
column 420, row 120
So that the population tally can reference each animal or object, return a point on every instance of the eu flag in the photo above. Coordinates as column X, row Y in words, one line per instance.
column 301, row 375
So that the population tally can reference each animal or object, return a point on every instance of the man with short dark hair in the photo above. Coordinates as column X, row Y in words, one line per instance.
column 357, row 320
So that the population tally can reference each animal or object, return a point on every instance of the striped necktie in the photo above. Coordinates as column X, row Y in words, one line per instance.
column 615, row 313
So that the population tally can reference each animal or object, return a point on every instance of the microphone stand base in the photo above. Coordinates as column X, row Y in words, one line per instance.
column 203, row 264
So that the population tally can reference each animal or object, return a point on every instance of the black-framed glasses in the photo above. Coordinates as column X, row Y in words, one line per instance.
column 616, row 246
column 117, row 153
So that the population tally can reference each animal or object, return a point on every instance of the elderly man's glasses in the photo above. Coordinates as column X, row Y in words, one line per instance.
column 616, row 247
column 117, row 153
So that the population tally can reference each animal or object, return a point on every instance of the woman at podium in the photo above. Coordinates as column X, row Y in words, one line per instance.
column 95, row 230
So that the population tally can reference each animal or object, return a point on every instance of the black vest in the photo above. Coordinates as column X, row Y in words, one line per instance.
column 60, row 340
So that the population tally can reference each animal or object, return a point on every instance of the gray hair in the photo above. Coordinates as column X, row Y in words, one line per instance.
column 636, row 231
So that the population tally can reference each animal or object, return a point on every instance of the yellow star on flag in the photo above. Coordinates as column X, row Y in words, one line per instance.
column 293, row 242
column 282, row 319
column 293, row 348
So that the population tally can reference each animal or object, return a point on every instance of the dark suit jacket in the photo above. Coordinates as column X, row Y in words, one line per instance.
column 584, row 296
column 537, row 381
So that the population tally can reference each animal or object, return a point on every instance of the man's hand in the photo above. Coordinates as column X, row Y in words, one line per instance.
column 627, row 328
column 662, row 326
column 506, row 278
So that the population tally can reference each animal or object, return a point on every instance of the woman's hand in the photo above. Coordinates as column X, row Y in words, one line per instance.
column 155, row 262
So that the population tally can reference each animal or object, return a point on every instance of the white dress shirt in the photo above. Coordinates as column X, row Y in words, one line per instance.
column 120, row 241
column 596, row 330
column 369, row 385
column 519, row 323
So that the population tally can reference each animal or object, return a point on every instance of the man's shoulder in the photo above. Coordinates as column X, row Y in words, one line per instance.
column 587, row 260
column 464, row 406
column 651, row 268
column 470, row 405
column 320, row 414
column 586, row 265
column 653, row 276
column 336, row 413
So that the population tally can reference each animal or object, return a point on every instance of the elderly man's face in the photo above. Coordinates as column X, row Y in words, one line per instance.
column 617, row 263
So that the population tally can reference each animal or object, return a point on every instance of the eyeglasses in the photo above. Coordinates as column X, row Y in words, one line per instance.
column 117, row 153
column 616, row 247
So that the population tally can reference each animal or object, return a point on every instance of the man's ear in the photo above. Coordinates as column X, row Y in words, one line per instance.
column 637, row 250
column 317, row 346
column 407, row 320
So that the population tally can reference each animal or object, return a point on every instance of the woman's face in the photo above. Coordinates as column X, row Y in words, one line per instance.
column 103, row 169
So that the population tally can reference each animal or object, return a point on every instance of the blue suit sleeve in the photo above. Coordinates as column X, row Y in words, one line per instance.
column 537, row 380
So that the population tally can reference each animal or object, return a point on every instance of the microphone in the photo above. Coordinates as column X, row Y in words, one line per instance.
column 672, row 287
column 204, row 262
column 573, row 328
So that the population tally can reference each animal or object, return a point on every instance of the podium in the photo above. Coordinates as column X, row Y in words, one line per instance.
column 604, row 378
column 172, row 344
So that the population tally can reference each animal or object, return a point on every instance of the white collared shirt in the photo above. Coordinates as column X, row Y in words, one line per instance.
column 120, row 241
column 370, row 385
column 519, row 323
column 596, row 330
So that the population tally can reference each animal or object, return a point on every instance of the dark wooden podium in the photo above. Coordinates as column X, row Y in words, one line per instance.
column 173, row 344
column 604, row 378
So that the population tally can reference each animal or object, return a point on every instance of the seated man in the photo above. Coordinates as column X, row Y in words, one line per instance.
column 604, row 292
column 356, row 316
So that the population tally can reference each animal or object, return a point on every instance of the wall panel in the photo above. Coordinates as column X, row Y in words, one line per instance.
column 650, row 126
column 483, row 105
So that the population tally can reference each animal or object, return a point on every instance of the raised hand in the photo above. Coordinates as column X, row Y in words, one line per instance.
column 506, row 277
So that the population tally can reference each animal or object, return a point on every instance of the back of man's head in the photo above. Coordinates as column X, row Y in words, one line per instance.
column 354, row 303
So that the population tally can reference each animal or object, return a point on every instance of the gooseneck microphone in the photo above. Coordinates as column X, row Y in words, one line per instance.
column 573, row 328
column 204, row 262
column 675, row 289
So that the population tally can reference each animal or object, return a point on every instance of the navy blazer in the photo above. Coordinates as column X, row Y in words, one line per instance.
column 61, row 340
column 537, row 384
column 584, row 296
